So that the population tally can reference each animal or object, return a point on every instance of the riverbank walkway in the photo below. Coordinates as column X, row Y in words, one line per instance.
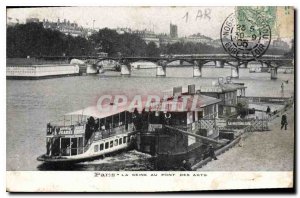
column 260, row 151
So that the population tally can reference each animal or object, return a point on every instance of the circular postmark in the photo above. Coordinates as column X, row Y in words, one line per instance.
column 246, row 39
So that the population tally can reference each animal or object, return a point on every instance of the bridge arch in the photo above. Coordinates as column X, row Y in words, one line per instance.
column 180, row 59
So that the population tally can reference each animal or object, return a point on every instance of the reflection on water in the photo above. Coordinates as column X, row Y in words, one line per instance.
column 31, row 104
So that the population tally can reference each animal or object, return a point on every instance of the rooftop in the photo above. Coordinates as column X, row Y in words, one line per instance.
column 222, row 87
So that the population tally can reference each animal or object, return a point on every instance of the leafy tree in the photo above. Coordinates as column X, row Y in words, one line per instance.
column 152, row 50
column 106, row 40
column 33, row 40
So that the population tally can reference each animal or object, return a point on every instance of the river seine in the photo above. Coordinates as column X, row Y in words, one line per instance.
column 33, row 103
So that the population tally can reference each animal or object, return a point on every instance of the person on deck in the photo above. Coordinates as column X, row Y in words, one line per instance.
column 137, row 120
column 284, row 121
column 211, row 151
column 68, row 150
column 186, row 165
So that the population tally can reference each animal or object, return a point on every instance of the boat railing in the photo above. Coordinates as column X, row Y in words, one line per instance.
column 89, row 142
column 104, row 134
column 68, row 120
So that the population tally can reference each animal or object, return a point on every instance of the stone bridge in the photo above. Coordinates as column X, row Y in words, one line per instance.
column 197, row 62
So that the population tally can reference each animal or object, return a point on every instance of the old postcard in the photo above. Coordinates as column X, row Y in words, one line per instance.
column 149, row 99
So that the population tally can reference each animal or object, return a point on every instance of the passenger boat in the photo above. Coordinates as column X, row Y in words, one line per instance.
column 87, row 134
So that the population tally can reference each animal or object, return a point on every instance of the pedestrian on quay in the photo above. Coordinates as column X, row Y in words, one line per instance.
column 268, row 111
column 211, row 151
column 284, row 121
column 282, row 87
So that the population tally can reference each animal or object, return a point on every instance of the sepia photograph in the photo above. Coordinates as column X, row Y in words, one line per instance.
column 177, row 94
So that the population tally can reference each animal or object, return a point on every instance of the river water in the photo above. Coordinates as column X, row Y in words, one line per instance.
column 33, row 103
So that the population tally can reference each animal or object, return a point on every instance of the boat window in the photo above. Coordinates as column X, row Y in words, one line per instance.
column 101, row 147
column 102, row 124
column 116, row 120
column 96, row 148
column 120, row 141
column 128, row 117
column 108, row 122
column 128, row 140
column 122, row 118
column 65, row 146
column 116, row 142
column 48, row 145
column 106, row 145
column 74, row 145
column 178, row 118
column 98, row 136
column 111, row 144
column 200, row 115
column 155, row 118
column 193, row 114
column 124, row 139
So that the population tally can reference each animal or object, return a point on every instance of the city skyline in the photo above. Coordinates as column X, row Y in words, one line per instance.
column 190, row 20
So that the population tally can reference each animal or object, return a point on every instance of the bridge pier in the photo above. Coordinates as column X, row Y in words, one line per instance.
column 100, row 70
column 235, row 73
column 244, row 65
column 99, row 67
column 263, row 64
column 273, row 72
column 181, row 62
column 161, row 69
column 220, row 64
column 125, row 69
column 197, row 69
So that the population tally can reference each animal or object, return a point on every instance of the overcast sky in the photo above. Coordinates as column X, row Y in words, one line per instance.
column 157, row 18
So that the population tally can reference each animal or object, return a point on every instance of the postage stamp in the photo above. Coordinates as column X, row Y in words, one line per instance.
column 246, row 34
column 149, row 99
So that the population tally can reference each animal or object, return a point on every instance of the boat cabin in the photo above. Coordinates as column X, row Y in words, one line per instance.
column 183, row 111
column 74, row 134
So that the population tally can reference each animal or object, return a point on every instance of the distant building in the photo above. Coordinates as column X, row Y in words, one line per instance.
column 123, row 30
column 148, row 36
column 32, row 20
column 173, row 31
column 198, row 38
column 64, row 26
column 280, row 44
column 102, row 54
column 165, row 39
column 12, row 21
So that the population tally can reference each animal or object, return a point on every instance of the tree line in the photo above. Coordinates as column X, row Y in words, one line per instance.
column 33, row 40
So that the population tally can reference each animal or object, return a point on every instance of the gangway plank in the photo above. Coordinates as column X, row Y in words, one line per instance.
column 196, row 136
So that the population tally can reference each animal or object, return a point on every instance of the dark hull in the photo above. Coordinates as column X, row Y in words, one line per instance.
column 173, row 161
column 66, row 161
